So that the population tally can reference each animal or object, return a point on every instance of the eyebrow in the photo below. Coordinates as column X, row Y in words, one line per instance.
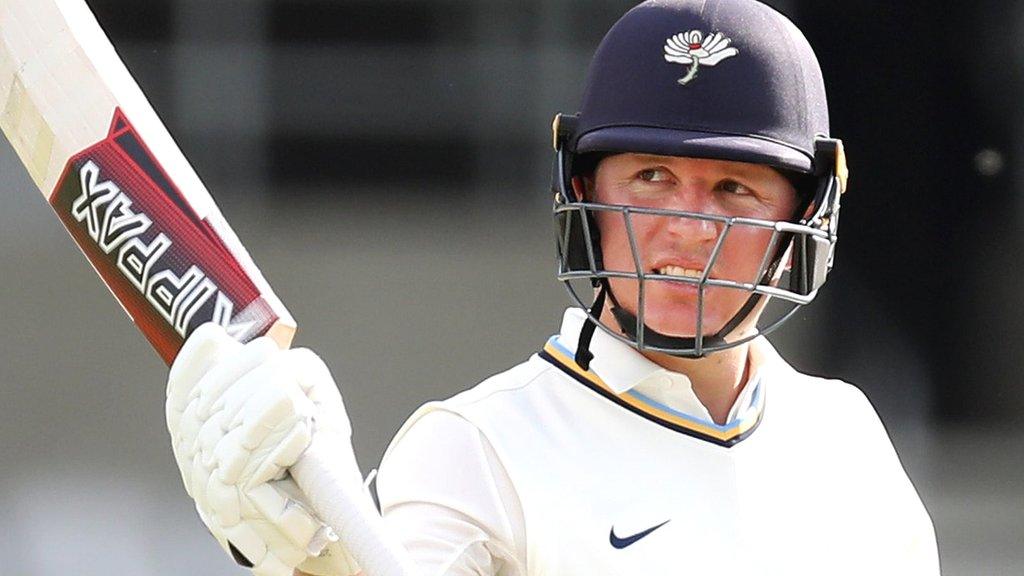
column 751, row 171
column 729, row 167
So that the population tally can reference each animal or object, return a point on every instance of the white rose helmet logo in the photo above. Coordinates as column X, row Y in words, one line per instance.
column 694, row 49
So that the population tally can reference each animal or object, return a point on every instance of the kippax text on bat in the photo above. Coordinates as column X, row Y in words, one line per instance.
column 113, row 225
column 167, row 265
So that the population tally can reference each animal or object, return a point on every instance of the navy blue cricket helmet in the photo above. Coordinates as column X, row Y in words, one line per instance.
column 719, row 79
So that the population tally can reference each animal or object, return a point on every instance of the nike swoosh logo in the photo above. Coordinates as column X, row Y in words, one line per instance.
column 621, row 543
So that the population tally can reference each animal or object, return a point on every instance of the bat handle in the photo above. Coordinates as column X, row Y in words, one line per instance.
column 342, row 504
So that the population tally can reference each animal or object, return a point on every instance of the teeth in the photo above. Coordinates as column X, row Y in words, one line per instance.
column 680, row 271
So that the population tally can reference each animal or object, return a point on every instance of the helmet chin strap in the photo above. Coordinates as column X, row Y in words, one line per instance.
column 652, row 338
column 583, row 353
column 628, row 321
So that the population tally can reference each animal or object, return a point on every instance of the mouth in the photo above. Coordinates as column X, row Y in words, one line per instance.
column 680, row 271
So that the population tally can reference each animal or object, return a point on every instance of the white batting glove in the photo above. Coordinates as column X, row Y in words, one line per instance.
column 239, row 416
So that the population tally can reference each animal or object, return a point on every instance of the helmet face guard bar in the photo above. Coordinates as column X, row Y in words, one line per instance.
column 810, row 243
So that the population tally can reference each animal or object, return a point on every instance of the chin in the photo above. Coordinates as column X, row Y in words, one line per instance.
column 680, row 321
column 680, row 324
column 673, row 327
column 673, row 312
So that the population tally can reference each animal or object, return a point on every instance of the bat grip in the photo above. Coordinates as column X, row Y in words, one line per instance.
column 341, row 502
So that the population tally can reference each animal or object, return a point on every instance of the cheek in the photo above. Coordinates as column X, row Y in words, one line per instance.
column 616, row 245
column 615, row 249
column 742, row 254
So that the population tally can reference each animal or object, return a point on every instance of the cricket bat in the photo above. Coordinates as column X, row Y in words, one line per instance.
column 104, row 161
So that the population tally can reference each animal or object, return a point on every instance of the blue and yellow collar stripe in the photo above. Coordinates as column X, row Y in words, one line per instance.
column 727, row 435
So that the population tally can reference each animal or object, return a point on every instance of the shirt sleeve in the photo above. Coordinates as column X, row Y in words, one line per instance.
column 446, row 496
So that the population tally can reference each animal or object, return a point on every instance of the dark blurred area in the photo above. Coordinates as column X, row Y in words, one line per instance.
column 928, row 101
column 387, row 163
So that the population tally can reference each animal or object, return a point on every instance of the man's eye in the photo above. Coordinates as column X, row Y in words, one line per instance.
column 652, row 175
column 734, row 187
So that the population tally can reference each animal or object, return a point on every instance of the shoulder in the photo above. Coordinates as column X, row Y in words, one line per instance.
column 504, row 393
column 840, row 414
column 825, row 401
column 844, row 423
column 419, row 463
column 859, row 440
column 443, row 487
column 455, row 427
column 517, row 379
column 850, row 435
column 834, row 405
column 818, row 391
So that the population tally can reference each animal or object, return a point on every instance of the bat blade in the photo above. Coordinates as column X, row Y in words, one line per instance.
column 131, row 201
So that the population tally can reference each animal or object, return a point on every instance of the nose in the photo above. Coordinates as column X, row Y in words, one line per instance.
column 692, row 230
column 693, row 199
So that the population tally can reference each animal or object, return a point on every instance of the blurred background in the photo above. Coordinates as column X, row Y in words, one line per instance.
column 386, row 163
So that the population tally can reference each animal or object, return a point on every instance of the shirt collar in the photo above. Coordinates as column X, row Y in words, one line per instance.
column 623, row 369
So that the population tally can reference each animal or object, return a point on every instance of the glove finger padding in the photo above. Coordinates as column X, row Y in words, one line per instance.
column 326, row 556
column 269, row 430
column 290, row 517
column 334, row 560
column 247, row 533
column 279, row 526
column 259, row 543
column 250, row 551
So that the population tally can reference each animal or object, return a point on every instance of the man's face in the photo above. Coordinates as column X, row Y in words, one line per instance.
column 677, row 246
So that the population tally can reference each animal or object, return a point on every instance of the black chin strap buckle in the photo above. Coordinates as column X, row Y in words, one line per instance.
column 583, row 354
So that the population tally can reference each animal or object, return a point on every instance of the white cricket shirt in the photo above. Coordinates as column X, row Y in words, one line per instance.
column 550, row 469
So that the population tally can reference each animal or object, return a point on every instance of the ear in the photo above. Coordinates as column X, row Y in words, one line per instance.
column 583, row 187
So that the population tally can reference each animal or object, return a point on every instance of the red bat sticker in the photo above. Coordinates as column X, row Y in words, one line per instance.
column 168, row 268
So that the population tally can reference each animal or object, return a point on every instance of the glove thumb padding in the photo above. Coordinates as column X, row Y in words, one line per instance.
column 201, row 351
column 317, row 383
